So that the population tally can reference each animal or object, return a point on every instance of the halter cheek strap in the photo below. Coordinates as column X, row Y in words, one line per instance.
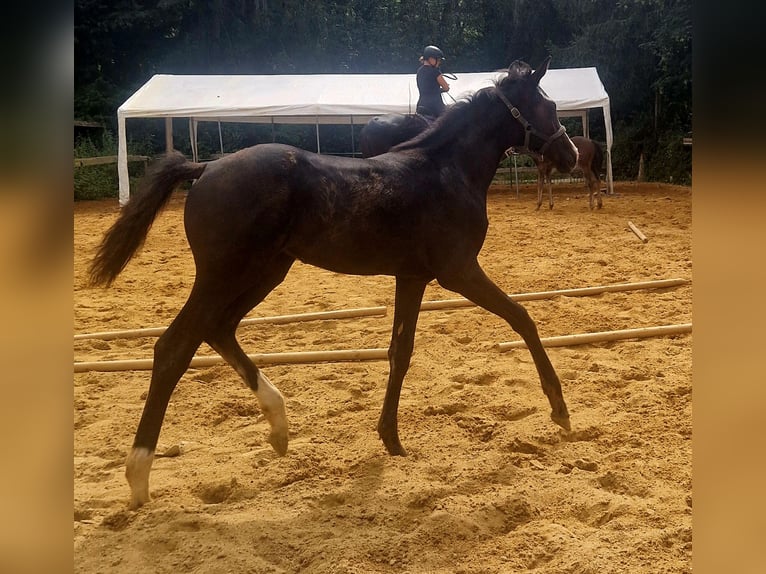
column 529, row 129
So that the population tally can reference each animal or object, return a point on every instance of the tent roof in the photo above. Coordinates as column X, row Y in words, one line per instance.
column 328, row 98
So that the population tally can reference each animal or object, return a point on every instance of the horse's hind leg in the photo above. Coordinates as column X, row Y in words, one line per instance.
column 473, row 284
column 207, row 315
column 172, row 354
column 409, row 294
column 269, row 398
column 594, row 187
column 596, row 183
column 225, row 343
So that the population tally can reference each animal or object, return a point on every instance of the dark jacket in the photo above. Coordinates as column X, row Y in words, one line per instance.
column 430, row 102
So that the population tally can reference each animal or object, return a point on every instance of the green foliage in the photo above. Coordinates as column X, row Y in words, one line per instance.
column 626, row 150
column 665, row 158
column 642, row 51
column 99, row 181
column 670, row 160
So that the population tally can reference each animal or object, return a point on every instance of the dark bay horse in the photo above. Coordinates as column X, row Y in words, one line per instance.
column 383, row 132
column 590, row 158
column 417, row 212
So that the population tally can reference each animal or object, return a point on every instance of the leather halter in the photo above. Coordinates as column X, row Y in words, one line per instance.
column 529, row 129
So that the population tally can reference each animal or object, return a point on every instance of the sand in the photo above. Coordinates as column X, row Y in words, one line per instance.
column 491, row 484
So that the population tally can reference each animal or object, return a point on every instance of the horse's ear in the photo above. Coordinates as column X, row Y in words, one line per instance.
column 541, row 69
column 518, row 70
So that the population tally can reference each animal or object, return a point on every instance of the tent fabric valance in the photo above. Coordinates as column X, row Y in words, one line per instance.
column 327, row 99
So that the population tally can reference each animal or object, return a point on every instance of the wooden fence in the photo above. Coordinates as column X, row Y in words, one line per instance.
column 105, row 159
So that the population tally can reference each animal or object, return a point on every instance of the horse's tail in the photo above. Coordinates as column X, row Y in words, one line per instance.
column 598, row 160
column 128, row 233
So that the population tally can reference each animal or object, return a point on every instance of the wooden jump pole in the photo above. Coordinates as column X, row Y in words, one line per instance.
column 578, row 292
column 637, row 231
column 275, row 320
column 298, row 357
column 381, row 311
column 584, row 338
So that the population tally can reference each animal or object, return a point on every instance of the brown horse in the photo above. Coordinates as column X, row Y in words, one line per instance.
column 418, row 213
column 590, row 158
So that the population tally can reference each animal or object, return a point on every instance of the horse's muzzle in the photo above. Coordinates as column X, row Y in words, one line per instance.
column 563, row 153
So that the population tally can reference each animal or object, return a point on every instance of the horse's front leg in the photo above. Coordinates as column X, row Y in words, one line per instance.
column 473, row 284
column 540, row 182
column 409, row 294
column 550, row 192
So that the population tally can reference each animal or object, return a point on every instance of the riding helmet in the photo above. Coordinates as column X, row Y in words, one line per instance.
column 433, row 52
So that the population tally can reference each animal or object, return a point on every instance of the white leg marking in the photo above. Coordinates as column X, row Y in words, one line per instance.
column 137, row 468
column 273, row 407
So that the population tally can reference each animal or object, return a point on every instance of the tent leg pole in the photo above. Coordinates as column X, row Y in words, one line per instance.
column 193, row 138
column 609, row 177
column 585, row 126
column 168, row 134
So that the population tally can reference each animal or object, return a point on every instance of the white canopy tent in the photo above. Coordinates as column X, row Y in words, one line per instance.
column 327, row 99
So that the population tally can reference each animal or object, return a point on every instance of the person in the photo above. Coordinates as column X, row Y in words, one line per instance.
column 431, row 83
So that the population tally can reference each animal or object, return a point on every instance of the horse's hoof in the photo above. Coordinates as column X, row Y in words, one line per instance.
column 137, row 502
column 563, row 422
column 138, row 465
column 278, row 441
column 393, row 446
column 396, row 450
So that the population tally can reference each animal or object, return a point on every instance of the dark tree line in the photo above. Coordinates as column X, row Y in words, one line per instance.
column 641, row 48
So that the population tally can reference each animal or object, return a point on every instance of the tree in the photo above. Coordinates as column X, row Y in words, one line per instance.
column 117, row 46
column 642, row 50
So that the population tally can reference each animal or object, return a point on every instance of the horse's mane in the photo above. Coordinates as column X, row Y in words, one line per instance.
column 448, row 126
column 452, row 122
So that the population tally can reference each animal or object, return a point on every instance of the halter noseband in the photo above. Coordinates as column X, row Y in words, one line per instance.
column 529, row 129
